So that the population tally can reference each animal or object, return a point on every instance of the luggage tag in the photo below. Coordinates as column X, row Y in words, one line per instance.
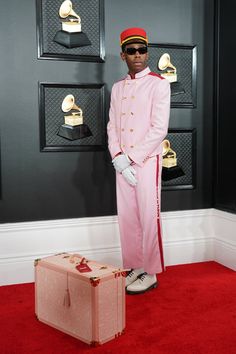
column 83, row 266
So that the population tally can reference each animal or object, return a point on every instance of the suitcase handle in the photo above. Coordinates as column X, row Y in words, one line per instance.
column 76, row 255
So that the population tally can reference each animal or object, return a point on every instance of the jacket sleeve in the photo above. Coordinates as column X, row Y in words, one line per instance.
column 113, row 139
column 158, row 124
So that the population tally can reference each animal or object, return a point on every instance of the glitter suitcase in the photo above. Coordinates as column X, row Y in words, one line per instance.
column 79, row 297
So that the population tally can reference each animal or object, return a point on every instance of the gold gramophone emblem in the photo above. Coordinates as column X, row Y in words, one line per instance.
column 76, row 116
column 168, row 155
column 73, row 127
column 70, row 35
column 73, row 20
column 164, row 63
column 169, row 162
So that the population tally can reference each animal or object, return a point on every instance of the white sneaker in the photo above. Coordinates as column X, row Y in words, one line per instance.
column 132, row 276
column 143, row 283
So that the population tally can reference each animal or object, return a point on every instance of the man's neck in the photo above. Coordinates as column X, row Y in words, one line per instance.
column 132, row 74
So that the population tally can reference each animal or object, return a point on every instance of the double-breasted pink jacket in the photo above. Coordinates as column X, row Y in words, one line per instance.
column 139, row 115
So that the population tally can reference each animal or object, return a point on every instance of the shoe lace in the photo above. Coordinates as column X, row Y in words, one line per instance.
column 131, row 273
column 142, row 276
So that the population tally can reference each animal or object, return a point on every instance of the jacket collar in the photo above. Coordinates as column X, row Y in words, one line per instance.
column 142, row 73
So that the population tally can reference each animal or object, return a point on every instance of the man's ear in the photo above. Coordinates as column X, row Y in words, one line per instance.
column 122, row 55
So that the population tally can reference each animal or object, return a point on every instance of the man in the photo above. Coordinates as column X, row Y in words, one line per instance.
column 138, row 123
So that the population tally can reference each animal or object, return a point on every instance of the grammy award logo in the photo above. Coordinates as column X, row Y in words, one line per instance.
column 70, row 35
column 170, row 168
column 76, row 116
column 73, row 127
column 169, row 155
column 169, row 72
column 71, row 24
column 165, row 64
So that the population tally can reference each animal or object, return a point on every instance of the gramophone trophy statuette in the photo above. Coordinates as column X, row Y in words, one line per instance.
column 164, row 64
column 169, row 156
column 73, row 128
column 70, row 35
column 170, row 168
column 169, row 72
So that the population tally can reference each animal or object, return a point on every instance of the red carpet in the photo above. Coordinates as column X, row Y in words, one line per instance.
column 193, row 311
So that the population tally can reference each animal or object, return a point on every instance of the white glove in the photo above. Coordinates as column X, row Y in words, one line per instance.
column 120, row 162
column 129, row 175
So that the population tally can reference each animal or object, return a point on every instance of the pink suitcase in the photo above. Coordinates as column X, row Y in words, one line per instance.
column 87, row 305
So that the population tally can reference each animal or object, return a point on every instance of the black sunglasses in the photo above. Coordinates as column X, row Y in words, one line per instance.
column 132, row 50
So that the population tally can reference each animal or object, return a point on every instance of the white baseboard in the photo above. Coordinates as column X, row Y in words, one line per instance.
column 189, row 236
column 225, row 253
column 225, row 238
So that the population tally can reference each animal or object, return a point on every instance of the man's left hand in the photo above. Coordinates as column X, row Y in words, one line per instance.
column 129, row 175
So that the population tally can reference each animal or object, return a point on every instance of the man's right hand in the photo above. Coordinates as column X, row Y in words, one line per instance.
column 121, row 162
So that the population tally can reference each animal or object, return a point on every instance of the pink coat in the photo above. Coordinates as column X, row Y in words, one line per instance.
column 139, row 116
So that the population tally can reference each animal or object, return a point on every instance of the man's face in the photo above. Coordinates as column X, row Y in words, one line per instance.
column 136, row 62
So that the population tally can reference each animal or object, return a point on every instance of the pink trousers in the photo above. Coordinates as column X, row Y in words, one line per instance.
column 139, row 218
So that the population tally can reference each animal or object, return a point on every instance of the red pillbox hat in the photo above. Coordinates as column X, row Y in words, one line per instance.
column 133, row 35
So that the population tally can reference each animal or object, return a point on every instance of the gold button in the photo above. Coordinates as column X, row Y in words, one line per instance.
column 131, row 130
column 132, row 96
column 123, row 145
column 131, row 146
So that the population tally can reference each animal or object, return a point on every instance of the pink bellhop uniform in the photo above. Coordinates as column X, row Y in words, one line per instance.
column 138, row 123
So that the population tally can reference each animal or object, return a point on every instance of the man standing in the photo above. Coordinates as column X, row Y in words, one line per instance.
column 138, row 123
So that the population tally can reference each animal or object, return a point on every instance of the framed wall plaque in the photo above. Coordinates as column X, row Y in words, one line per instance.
column 178, row 64
column 72, row 117
column 70, row 30
column 183, row 143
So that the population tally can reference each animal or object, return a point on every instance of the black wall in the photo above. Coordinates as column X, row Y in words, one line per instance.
column 51, row 185
column 225, row 146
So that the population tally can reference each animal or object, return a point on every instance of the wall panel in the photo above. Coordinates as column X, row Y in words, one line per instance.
column 72, row 184
column 225, row 148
